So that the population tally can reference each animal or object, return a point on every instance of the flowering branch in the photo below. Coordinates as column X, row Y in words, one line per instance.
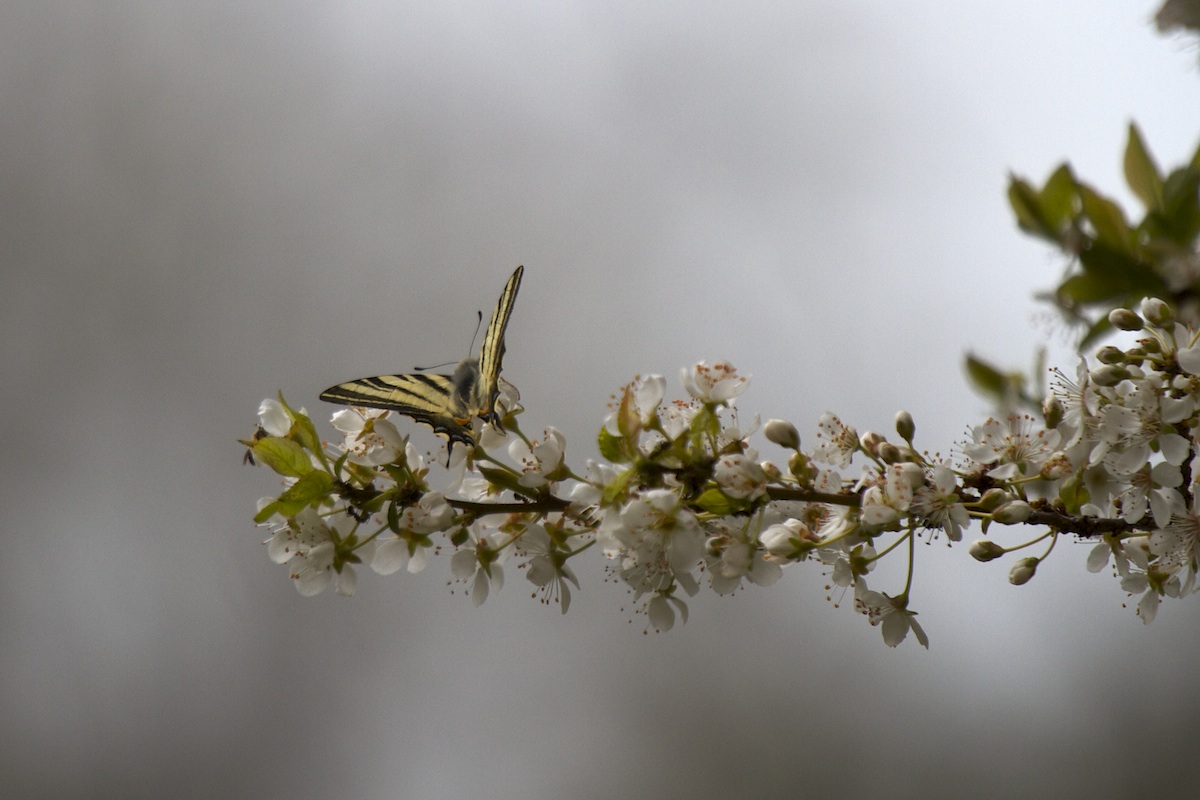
column 681, row 496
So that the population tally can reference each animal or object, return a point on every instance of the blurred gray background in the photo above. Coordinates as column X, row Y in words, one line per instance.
column 207, row 202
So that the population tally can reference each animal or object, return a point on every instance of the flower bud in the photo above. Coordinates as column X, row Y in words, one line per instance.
column 1109, row 375
column 1012, row 513
column 1157, row 312
column 993, row 499
column 1110, row 355
column 888, row 453
column 1022, row 571
column 905, row 426
column 782, row 433
column 985, row 550
column 870, row 442
column 1125, row 320
column 1052, row 411
column 802, row 468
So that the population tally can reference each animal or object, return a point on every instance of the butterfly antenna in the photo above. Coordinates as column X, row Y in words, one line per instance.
column 478, row 324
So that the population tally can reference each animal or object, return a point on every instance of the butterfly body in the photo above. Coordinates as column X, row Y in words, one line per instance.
column 446, row 403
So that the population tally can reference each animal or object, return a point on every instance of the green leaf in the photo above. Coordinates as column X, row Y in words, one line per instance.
column 1027, row 206
column 1098, row 330
column 1123, row 272
column 1181, row 205
column 715, row 502
column 282, row 455
column 1059, row 199
column 987, row 379
column 504, row 479
column 311, row 488
column 1106, row 217
column 1141, row 173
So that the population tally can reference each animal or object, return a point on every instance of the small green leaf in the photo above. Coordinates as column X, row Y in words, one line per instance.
column 282, row 455
column 1181, row 205
column 1141, row 173
column 1098, row 330
column 987, row 379
column 715, row 502
column 1059, row 199
column 1106, row 217
column 503, row 479
column 311, row 488
column 1027, row 206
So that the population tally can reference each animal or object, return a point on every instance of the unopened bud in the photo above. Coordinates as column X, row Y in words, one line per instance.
column 1110, row 355
column 1052, row 411
column 888, row 453
column 782, row 433
column 801, row 468
column 1109, row 375
column 993, row 499
column 870, row 442
column 1012, row 513
column 1157, row 312
column 905, row 426
column 1022, row 571
column 1124, row 319
column 985, row 550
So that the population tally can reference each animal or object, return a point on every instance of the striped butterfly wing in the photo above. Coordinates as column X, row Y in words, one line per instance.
column 427, row 398
column 445, row 403
column 492, row 352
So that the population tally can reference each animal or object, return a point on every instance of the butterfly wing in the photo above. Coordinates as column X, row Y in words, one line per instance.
column 427, row 398
column 443, row 402
column 487, row 386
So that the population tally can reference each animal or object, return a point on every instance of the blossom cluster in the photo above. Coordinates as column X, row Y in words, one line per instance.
column 682, row 499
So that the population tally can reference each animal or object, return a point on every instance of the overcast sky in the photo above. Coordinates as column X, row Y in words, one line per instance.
column 207, row 202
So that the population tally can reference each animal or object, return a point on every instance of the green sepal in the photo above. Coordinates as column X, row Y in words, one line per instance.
column 303, row 429
column 616, row 489
column 1073, row 494
column 612, row 447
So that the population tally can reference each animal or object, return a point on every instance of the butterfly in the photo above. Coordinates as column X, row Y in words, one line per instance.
column 446, row 403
